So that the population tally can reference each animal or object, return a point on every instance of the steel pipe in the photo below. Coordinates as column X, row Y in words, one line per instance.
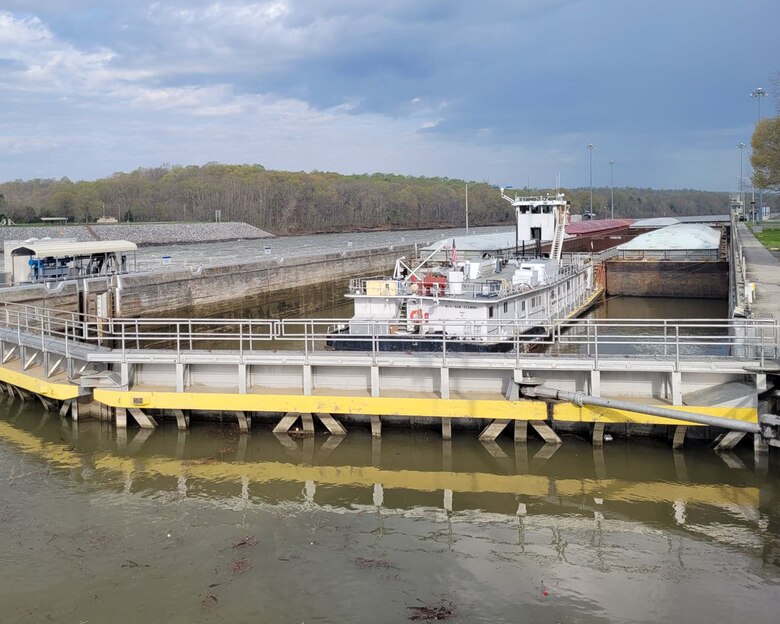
column 580, row 398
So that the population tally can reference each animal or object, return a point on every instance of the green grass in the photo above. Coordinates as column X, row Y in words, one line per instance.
column 770, row 237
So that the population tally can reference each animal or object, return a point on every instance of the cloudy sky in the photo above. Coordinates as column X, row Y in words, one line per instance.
column 505, row 91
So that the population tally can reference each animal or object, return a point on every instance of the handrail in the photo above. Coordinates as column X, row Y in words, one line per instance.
column 667, row 339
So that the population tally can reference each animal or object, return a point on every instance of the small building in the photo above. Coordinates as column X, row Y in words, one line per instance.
column 42, row 260
column 106, row 220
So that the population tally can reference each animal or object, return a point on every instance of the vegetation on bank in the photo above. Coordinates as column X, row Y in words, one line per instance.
column 297, row 203
column 769, row 235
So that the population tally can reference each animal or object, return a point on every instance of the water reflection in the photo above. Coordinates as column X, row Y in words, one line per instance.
column 208, row 524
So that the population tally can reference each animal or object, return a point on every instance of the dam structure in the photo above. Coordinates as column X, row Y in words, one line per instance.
column 89, row 357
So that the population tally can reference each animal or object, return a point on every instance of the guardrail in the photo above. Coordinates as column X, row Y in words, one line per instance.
column 491, row 286
column 668, row 340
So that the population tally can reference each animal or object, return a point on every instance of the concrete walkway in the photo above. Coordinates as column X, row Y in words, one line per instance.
column 763, row 269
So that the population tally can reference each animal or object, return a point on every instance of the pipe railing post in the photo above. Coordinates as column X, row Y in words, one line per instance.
column 676, row 347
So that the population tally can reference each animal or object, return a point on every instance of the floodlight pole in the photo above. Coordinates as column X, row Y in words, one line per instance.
column 612, row 188
column 590, row 147
column 758, row 94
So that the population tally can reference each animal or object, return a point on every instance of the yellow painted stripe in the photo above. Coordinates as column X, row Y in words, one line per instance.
column 572, row 413
column 58, row 454
column 431, row 481
column 45, row 388
column 367, row 476
column 381, row 406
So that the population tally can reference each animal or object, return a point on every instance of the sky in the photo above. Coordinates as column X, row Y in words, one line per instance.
column 510, row 92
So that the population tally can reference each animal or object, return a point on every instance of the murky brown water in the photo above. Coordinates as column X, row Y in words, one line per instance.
column 210, row 526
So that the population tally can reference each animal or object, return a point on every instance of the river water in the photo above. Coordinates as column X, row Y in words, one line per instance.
column 210, row 526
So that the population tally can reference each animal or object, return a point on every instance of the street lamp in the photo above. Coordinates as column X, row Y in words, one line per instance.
column 741, row 147
column 590, row 147
column 612, row 188
column 758, row 94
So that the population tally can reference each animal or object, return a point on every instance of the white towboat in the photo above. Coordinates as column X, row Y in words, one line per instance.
column 473, row 303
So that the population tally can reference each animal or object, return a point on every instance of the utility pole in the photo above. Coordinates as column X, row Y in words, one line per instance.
column 612, row 188
column 741, row 147
column 467, row 207
column 590, row 147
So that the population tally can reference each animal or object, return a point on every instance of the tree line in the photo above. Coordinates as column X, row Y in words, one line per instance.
column 299, row 203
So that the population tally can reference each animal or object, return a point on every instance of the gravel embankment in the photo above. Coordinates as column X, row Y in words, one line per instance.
column 141, row 233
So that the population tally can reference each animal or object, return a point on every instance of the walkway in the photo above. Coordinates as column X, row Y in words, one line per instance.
column 763, row 269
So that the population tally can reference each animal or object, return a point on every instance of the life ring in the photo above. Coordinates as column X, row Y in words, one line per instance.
column 417, row 316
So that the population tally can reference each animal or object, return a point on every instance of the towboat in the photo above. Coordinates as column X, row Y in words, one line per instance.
column 474, row 301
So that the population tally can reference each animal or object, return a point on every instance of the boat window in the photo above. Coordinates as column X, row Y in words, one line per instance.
column 536, row 210
column 490, row 312
column 522, row 306
column 506, row 306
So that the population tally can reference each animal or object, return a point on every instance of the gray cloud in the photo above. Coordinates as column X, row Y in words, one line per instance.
column 498, row 89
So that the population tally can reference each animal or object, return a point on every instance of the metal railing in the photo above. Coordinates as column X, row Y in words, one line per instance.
column 496, row 287
column 667, row 340
column 668, row 254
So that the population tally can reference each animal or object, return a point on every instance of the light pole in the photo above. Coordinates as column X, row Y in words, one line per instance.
column 467, row 206
column 741, row 147
column 612, row 188
column 758, row 94
column 590, row 147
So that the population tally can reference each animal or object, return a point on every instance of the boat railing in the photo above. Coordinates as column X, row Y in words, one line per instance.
column 497, row 285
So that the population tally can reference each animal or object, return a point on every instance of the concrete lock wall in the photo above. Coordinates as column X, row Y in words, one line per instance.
column 664, row 278
column 62, row 296
column 296, row 285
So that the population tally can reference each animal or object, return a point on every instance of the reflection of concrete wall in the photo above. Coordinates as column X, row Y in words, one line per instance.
column 270, row 286
column 706, row 280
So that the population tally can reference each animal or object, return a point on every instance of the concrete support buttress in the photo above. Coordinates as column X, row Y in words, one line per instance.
column 144, row 421
column 125, row 375
column 74, row 410
column 65, row 407
column 308, row 383
column 121, row 418
column 493, row 430
column 182, row 421
column 242, row 378
column 244, row 422
column 444, row 386
column 374, row 381
column 521, row 431
column 287, row 421
column 761, row 382
column 547, row 434
column 729, row 440
column 446, row 429
column 679, row 436
column 180, row 372
column 676, row 383
column 598, row 434
column 376, row 426
column 308, row 424
column 332, row 425
column 595, row 383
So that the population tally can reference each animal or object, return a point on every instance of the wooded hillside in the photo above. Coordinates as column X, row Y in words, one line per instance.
column 295, row 203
